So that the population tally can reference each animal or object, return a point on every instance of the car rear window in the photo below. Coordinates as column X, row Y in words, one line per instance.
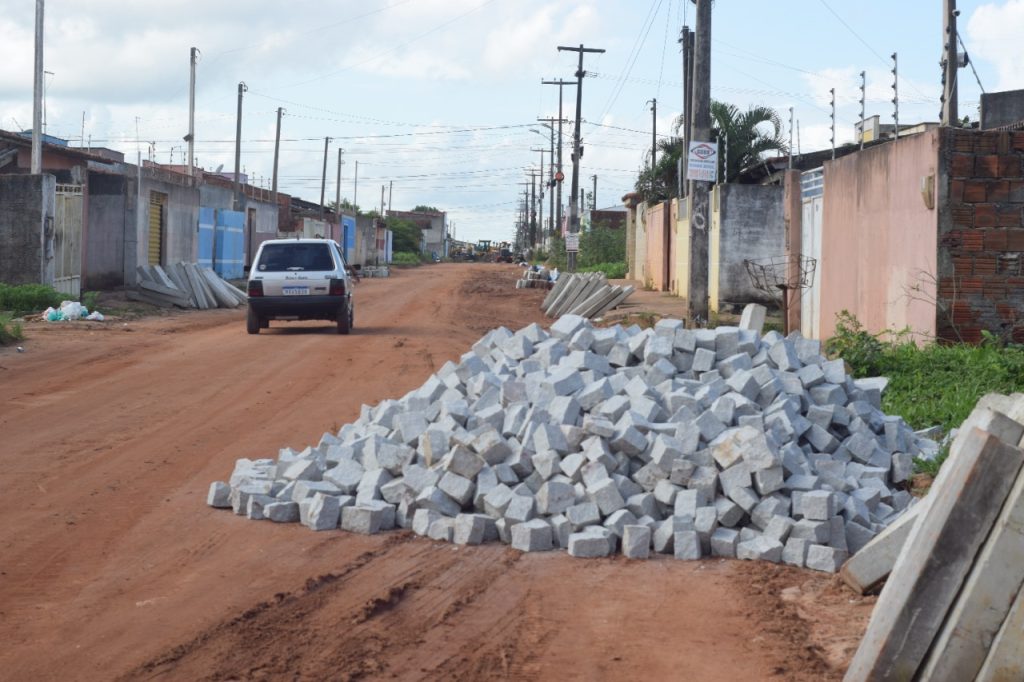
column 295, row 257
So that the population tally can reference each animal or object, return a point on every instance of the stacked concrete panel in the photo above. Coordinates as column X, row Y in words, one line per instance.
column 584, row 294
column 717, row 442
column 950, row 609
column 184, row 285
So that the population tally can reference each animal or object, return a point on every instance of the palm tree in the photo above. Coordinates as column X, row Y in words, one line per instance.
column 745, row 136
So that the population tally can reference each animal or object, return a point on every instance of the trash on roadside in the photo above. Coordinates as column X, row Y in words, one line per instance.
column 70, row 310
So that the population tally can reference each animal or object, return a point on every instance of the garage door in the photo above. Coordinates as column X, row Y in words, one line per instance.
column 157, row 202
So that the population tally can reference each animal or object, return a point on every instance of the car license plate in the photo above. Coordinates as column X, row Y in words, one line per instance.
column 295, row 291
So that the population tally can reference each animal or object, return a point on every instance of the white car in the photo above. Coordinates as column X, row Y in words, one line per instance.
column 299, row 279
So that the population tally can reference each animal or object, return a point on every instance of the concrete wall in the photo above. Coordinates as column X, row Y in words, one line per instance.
column 181, row 221
column 109, row 219
column 746, row 224
column 655, row 273
column 981, row 234
column 26, row 228
column 879, row 239
column 1001, row 108
column 681, row 247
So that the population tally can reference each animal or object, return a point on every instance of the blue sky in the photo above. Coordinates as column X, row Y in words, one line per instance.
column 439, row 96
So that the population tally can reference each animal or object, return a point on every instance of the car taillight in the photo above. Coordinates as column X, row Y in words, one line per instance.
column 255, row 288
column 337, row 287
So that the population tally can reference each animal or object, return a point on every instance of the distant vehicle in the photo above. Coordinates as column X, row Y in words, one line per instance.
column 505, row 256
column 299, row 279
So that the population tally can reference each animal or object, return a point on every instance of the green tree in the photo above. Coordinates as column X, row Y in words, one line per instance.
column 425, row 209
column 602, row 244
column 406, row 235
column 749, row 134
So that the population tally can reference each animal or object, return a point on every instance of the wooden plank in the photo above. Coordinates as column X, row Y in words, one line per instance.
column 937, row 557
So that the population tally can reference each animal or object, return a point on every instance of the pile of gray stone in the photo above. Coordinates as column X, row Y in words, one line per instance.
column 688, row 442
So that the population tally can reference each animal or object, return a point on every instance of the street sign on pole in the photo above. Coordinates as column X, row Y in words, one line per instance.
column 702, row 162
column 572, row 242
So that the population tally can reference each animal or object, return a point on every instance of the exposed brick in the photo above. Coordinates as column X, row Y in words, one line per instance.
column 984, row 265
column 1018, row 141
column 1008, row 216
column 970, row 334
column 986, row 166
column 1015, row 240
column 998, row 191
column 954, row 239
column 1018, row 334
column 973, row 241
column 962, row 166
column 962, row 142
column 1010, row 166
column 1017, row 191
column 1006, row 312
column 986, row 143
column 1010, row 264
column 975, row 191
column 956, row 190
column 995, row 240
column 984, row 215
column 963, row 265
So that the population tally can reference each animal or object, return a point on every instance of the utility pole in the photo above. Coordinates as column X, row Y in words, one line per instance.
column 540, row 195
column 895, row 97
column 688, row 71
column 832, row 104
column 37, row 95
column 863, row 90
column 574, row 218
column 191, row 139
column 561, row 84
column 391, row 186
column 654, row 139
column 238, row 147
column 950, row 62
column 593, row 197
column 277, row 149
column 550, row 124
column 790, row 164
column 337, row 187
column 323, row 178
column 355, row 190
column 697, row 298
column 533, row 208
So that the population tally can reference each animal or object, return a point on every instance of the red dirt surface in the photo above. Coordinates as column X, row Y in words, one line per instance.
column 113, row 567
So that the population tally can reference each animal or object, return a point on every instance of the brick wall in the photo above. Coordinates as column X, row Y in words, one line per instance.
column 981, row 235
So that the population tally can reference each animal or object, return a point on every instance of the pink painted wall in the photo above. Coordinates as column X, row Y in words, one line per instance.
column 879, row 240
column 655, row 270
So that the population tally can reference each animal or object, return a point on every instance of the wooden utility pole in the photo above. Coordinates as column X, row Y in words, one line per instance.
column 950, row 64
column 574, row 216
column 560, row 83
column 697, row 296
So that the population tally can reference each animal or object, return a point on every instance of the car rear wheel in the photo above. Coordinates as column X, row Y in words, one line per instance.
column 252, row 322
column 345, row 322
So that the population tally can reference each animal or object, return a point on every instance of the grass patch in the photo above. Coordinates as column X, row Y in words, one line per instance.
column 611, row 270
column 10, row 331
column 933, row 385
column 406, row 258
column 22, row 299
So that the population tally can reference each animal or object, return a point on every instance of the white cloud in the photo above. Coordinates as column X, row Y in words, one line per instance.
column 996, row 33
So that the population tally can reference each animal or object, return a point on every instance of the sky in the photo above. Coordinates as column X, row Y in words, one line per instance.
column 439, row 99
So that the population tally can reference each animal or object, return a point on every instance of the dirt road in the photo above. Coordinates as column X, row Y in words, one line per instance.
column 112, row 566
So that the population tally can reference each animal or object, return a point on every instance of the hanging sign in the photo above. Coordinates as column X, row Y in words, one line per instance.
column 702, row 162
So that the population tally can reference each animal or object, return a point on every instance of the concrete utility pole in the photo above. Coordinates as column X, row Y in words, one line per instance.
column 895, row 97
column 574, row 218
column 593, row 197
column 391, row 186
column 950, row 64
column 238, row 148
column 554, row 185
column 355, row 190
column 540, row 195
column 533, row 208
column 561, row 84
column 191, row 138
column 654, row 138
column 323, row 178
column 697, row 298
column 687, row 40
column 277, row 149
column 337, row 186
column 37, row 95
column 790, row 163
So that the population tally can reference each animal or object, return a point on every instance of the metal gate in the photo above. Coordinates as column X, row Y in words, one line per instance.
column 812, row 189
column 67, row 241
column 155, row 251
